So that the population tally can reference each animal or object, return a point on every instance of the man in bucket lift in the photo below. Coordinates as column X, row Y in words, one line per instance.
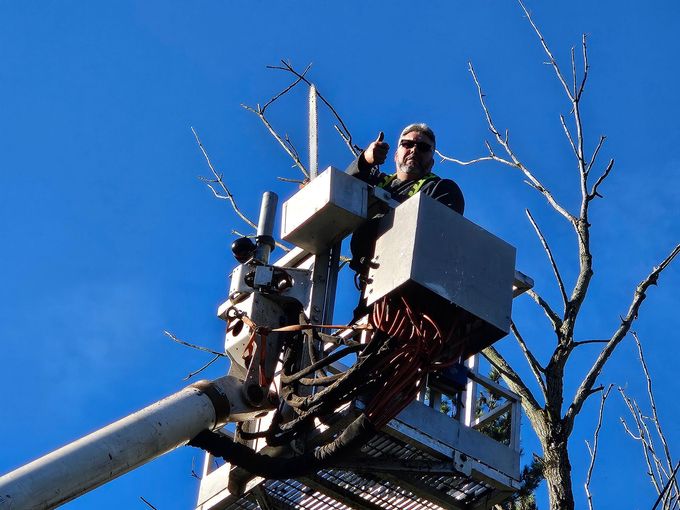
column 414, row 159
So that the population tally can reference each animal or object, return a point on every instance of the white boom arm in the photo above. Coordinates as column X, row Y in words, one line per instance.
column 95, row 459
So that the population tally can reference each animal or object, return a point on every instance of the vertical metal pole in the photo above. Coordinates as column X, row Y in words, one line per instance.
column 265, row 226
column 313, row 134
column 331, row 284
column 471, row 392
column 515, row 424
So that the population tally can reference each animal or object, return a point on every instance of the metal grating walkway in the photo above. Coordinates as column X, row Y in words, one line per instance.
column 378, row 486
column 422, row 460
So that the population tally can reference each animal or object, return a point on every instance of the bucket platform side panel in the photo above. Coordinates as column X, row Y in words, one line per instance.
column 443, row 258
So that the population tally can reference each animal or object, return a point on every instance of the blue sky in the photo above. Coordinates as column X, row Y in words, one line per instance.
column 109, row 238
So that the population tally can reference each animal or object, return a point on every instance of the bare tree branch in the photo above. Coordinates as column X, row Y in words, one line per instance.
column 574, row 98
column 586, row 68
column 515, row 161
column 191, row 374
column 147, row 503
column 287, row 89
column 354, row 148
column 289, row 68
column 515, row 383
column 193, row 469
column 552, row 62
column 639, row 296
column 295, row 181
column 277, row 137
column 593, row 192
column 595, row 153
column 218, row 180
column 585, row 342
column 593, row 450
column 673, row 478
column 573, row 71
column 568, row 135
column 548, row 251
column 647, row 448
column 293, row 150
column 285, row 141
column 555, row 319
column 660, row 470
column 193, row 346
column 535, row 366
column 466, row 163
column 655, row 415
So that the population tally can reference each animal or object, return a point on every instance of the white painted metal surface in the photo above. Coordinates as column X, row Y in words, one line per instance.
column 435, row 254
column 325, row 211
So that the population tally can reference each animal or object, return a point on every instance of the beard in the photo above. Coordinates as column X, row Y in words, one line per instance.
column 410, row 168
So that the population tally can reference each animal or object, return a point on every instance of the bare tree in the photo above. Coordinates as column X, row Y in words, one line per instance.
column 546, row 412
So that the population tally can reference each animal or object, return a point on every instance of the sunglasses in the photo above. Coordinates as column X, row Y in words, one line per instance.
column 410, row 144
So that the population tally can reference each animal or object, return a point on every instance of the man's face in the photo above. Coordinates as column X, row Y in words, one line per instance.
column 414, row 156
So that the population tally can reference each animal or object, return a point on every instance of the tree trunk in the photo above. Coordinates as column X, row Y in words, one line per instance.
column 557, row 471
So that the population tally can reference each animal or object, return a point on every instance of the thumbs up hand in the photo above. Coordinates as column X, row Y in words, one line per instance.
column 376, row 152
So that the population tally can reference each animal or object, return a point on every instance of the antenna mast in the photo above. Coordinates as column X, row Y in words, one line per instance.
column 313, row 134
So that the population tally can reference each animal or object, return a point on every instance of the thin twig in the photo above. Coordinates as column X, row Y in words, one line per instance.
column 595, row 153
column 294, row 181
column 465, row 163
column 548, row 251
column 354, row 148
column 293, row 150
column 535, row 366
column 287, row 89
column 149, row 504
column 673, row 478
column 193, row 469
column 514, row 382
column 278, row 138
column 593, row 450
column 568, row 135
column 585, row 272
column 289, row 68
column 552, row 62
column 652, row 402
column 213, row 360
column 646, row 449
column 586, row 68
column 515, row 161
column 585, row 342
column 193, row 346
column 573, row 70
column 660, row 470
column 593, row 191
column 555, row 319
column 220, row 181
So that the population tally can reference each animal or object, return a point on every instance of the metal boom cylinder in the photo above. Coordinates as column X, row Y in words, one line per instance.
column 265, row 226
column 95, row 459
